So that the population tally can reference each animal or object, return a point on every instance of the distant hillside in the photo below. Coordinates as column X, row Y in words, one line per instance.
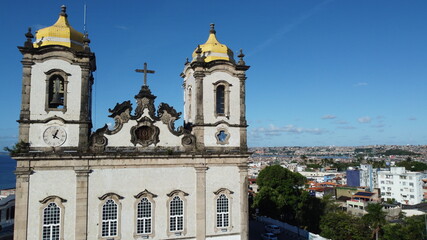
column 399, row 152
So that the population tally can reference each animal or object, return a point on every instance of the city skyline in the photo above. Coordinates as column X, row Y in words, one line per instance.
column 322, row 72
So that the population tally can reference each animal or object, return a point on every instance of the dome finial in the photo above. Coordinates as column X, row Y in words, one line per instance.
column 212, row 28
column 63, row 11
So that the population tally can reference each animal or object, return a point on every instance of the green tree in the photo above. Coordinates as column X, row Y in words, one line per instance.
column 281, row 197
column 339, row 225
column 412, row 165
column 375, row 218
column 20, row 147
column 410, row 229
column 309, row 210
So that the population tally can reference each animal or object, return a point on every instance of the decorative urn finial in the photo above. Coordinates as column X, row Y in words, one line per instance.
column 241, row 56
column 212, row 28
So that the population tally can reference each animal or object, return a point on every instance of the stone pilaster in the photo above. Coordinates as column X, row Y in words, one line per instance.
column 85, row 104
column 200, row 202
column 82, row 183
column 242, row 78
column 199, row 75
column 24, row 126
column 21, row 204
column 199, row 117
column 244, row 207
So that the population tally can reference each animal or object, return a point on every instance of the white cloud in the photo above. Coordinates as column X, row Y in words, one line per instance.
column 273, row 130
column 329, row 116
column 347, row 127
column 412, row 118
column 341, row 122
column 364, row 119
column 121, row 27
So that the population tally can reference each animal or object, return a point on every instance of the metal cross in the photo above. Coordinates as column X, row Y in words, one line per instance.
column 145, row 71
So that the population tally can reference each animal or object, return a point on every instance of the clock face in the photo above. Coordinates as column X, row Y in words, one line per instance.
column 54, row 136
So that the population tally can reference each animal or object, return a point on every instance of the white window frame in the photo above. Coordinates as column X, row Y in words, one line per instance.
column 222, row 211
column 110, row 219
column 110, row 198
column 176, row 214
column 177, row 195
column 220, row 226
column 52, row 201
column 149, row 197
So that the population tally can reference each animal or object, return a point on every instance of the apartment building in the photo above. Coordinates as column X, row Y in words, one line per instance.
column 403, row 186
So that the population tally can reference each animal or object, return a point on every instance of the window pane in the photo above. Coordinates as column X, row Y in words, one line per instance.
column 51, row 222
column 220, row 99
column 109, row 218
column 176, row 221
column 144, row 216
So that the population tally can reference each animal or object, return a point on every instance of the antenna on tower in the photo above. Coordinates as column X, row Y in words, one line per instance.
column 84, row 18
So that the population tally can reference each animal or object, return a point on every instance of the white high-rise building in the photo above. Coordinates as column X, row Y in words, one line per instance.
column 401, row 185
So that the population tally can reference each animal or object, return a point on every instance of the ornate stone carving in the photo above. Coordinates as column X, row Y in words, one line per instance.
column 145, row 100
column 145, row 133
column 168, row 115
column 121, row 115
column 145, row 193
column 110, row 194
column 49, row 198
column 98, row 141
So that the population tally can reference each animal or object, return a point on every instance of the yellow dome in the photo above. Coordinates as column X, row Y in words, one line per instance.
column 60, row 33
column 214, row 50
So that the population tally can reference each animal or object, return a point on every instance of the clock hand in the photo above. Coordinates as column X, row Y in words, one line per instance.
column 55, row 135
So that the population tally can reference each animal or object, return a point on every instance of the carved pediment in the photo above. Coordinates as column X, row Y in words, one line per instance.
column 145, row 133
column 145, row 124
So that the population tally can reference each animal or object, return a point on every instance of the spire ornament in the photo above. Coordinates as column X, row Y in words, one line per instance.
column 86, row 42
column 241, row 56
column 212, row 28
column 29, row 36
column 63, row 11
column 199, row 54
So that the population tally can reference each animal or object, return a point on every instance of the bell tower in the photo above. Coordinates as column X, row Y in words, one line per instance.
column 56, row 88
column 214, row 95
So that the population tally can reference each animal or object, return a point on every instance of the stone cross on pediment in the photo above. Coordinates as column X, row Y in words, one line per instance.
column 145, row 71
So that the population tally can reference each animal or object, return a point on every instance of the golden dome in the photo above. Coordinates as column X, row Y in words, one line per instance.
column 60, row 33
column 213, row 49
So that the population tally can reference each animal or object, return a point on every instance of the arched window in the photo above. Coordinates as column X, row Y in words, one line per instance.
column 109, row 219
column 190, row 98
column 51, row 222
column 176, row 215
column 222, row 212
column 220, row 100
column 56, row 92
column 223, row 199
column 144, row 216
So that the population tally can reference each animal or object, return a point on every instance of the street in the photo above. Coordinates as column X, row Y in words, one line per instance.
column 257, row 228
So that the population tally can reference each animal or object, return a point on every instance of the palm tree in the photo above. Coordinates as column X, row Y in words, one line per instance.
column 375, row 218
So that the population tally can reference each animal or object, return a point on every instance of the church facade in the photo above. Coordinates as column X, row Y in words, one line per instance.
column 143, row 178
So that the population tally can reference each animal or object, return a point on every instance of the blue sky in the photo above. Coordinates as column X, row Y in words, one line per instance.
column 322, row 72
